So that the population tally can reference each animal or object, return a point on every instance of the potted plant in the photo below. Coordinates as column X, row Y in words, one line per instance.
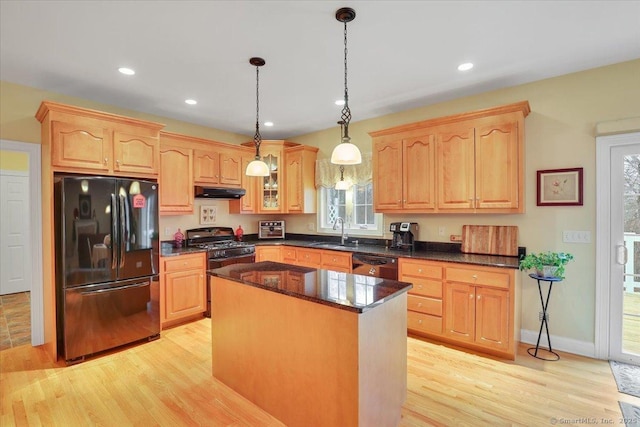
column 546, row 264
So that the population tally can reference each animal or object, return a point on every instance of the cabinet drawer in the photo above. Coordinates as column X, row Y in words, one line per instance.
column 311, row 258
column 420, row 269
column 478, row 277
column 336, row 259
column 425, row 305
column 184, row 262
column 421, row 322
column 424, row 287
column 289, row 254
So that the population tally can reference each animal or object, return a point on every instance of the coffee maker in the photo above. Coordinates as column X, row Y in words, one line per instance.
column 404, row 235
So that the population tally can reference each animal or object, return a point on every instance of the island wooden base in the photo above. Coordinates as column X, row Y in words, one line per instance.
column 307, row 363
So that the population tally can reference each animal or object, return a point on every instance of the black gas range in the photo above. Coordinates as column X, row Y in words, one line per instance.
column 219, row 242
column 222, row 249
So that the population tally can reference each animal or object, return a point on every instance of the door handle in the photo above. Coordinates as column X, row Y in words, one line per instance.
column 122, row 230
column 114, row 232
column 621, row 254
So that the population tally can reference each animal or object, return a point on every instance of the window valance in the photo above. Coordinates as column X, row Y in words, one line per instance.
column 327, row 174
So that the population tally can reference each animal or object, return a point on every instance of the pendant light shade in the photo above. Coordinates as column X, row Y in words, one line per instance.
column 346, row 153
column 257, row 167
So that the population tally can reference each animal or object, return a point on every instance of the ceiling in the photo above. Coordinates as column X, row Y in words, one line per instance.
column 402, row 54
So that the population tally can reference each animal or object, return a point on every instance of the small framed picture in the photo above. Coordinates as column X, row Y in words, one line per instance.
column 560, row 187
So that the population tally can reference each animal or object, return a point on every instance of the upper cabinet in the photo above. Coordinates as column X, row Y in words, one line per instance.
column 176, row 177
column 290, row 186
column 218, row 165
column 300, row 164
column 404, row 175
column 89, row 141
column 468, row 163
column 247, row 203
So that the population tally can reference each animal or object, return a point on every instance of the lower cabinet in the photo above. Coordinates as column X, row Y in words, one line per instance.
column 424, row 301
column 336, row 261
column 268, row 253
column 183, row 287
column 317, row 258
column 467, row 305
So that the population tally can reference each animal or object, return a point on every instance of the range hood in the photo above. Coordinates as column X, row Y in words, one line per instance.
column 219, row 192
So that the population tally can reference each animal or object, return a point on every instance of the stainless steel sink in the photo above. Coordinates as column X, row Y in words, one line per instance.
column 329, row 245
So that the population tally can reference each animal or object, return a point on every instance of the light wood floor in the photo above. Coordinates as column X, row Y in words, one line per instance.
column 631, row 322
column 168, row 382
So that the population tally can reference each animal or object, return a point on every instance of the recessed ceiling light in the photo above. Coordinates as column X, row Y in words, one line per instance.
column 269, row 124
column 465, row 67
column 126, row 71
column 340, row 102
column 191, row 101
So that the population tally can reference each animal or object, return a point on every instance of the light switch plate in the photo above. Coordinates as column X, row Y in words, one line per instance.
column 571, row 236
column 208, row 215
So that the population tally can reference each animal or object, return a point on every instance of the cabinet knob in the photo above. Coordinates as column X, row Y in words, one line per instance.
column 420, row 322
column 478, row 296
column 399, row 201
column 419, row 286
column 419, row 270
column 106, row 160
column 470, row 296
column 419, row 304
column 334, row 260
column 475, row 277
column 118, row 162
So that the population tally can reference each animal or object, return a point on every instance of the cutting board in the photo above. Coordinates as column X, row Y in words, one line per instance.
column 490, row 239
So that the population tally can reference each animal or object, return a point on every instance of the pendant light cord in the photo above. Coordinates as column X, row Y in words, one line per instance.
column 346, row 112
column 257, row 139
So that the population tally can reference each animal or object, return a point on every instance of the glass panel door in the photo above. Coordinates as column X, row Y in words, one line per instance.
column 271, row 187
column 625, row 232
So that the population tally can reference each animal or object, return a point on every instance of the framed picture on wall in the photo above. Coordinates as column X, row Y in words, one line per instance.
column 84, row 206
column 560, row 187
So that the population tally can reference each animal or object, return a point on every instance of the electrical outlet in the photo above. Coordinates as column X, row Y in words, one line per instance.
column 167, row 231
column 441, row 231
column 570, row 236
column 311, row 226
column 455, row 238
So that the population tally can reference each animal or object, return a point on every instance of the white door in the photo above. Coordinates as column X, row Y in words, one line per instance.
column 15, row 251
column 624, row 326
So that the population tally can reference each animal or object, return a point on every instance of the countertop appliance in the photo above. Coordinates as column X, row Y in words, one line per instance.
column 404, row 235
column 221, row 248
column 107, row 286
column 271, row 229
column 385, row 267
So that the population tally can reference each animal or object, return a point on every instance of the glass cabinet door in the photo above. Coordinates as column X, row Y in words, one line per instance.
column 271, row 200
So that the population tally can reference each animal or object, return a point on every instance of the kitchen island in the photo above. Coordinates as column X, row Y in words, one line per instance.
column 311, row 347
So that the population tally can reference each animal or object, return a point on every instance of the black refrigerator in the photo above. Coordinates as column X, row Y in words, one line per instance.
column 107, row 255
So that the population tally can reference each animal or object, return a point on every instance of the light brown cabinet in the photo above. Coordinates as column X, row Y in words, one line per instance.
column 182, row 287
column 404, row 173
column 247, row 204
column 424, row 301
column 268, row 253
column 300, row 163
column 479, row 307
column 176, row 178
column 477, row 165
column 480, row 167
column 467, row 305
column 336, row 261
column 218, row 166
column 89, row 141
column 309, row 257
column 290, row 186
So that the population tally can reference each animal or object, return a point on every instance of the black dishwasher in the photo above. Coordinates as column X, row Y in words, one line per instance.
column 385, row 267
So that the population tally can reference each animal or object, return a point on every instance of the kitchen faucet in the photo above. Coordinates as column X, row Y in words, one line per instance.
column 343, row 236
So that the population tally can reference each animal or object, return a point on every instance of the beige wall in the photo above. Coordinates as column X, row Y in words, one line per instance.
column 566, row 113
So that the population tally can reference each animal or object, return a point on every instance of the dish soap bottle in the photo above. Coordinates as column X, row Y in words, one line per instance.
column 178, row 238
column 239, row 233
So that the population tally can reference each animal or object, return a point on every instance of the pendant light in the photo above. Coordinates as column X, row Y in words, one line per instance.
column 257, row 167
column 342, row 184
column 346, row 153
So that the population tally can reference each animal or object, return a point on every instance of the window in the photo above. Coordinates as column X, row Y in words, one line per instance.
column 354, row 205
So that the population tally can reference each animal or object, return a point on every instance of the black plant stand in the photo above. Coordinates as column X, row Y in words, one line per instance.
column 533, row 351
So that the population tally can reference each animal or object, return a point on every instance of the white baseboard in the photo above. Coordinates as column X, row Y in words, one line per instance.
column 569, row 345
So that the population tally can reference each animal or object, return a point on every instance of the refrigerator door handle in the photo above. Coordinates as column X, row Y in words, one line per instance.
column 114, row 232
column 122, row 230
column 120, row 288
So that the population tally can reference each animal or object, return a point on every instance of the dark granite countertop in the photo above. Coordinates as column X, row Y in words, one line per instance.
column 352, row 292
column 433, row 255
column 169, row 250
